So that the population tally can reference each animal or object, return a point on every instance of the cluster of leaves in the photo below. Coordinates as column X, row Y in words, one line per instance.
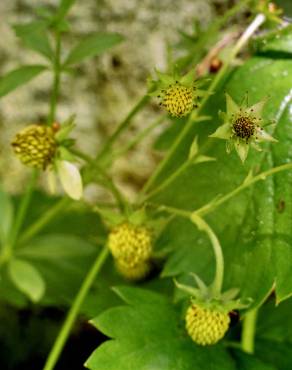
column 255, row 231
column 37, row 35
column 254, row 228
column 156, row 338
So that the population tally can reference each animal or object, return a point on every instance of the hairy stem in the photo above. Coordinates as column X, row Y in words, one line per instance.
column 189, row 124
column 73, row 312
column 123, row 125
column 211, row 206
column 141, row 135
column 248, row 331
column 169, row 179
column 57, row 77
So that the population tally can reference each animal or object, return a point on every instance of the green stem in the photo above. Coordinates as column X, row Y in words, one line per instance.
column 44, row 220
column 123, row 125
column 174, row 211
column 219, row 274
column 169, row 179
column 248, row 331
column 57, row 77
column 138, row 138
column 23, row 209
column 211, row 206
column 203, row 226
column 73, row 312
column 189, row 124
column 108, row 182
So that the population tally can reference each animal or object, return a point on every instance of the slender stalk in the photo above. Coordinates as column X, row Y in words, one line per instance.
column 173, row 176
column 172, row 210
column 211, row 206
column 219, row 274
column 73, row 312
column 23, row 209
column 248, row 331
column 169, row 179
column 44, row 220
column 123, row 125
column 189, row 124
column 138, row 138
column 108, row 182
column 57, row 77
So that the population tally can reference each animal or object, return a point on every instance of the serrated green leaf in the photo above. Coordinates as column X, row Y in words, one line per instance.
column 138, row 217
column 27, row 279
column 6, row 216
column 256, row 224
column 150, row 335
column 91, row 46
column 35, row 36
column 18, row 77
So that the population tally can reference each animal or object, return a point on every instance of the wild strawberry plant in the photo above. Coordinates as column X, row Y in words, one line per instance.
column 195, row 272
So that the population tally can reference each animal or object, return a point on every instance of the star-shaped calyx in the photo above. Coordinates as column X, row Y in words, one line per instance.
column 242, row 127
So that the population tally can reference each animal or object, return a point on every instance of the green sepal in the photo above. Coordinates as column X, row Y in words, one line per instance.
column 65, row 130
column 112, row 218
column 188, row 79
column 194, row 149
column 164, row 78
column 65, row 154
column 193, row 292
column 138, row 217
column 204, row 296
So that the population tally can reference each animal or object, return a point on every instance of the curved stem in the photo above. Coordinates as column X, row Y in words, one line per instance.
column 57, row 77
column 172, row 210
column 123, row 125
column 73, row 312
column 44, row 220
column 219, row 274
column 248, row 331
column 189, row 124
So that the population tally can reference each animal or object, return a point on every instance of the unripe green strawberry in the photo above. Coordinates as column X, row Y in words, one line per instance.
column 35, row 146
column 130, row 244
column 134, row 273
column 206, row 326
column 178, row 100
